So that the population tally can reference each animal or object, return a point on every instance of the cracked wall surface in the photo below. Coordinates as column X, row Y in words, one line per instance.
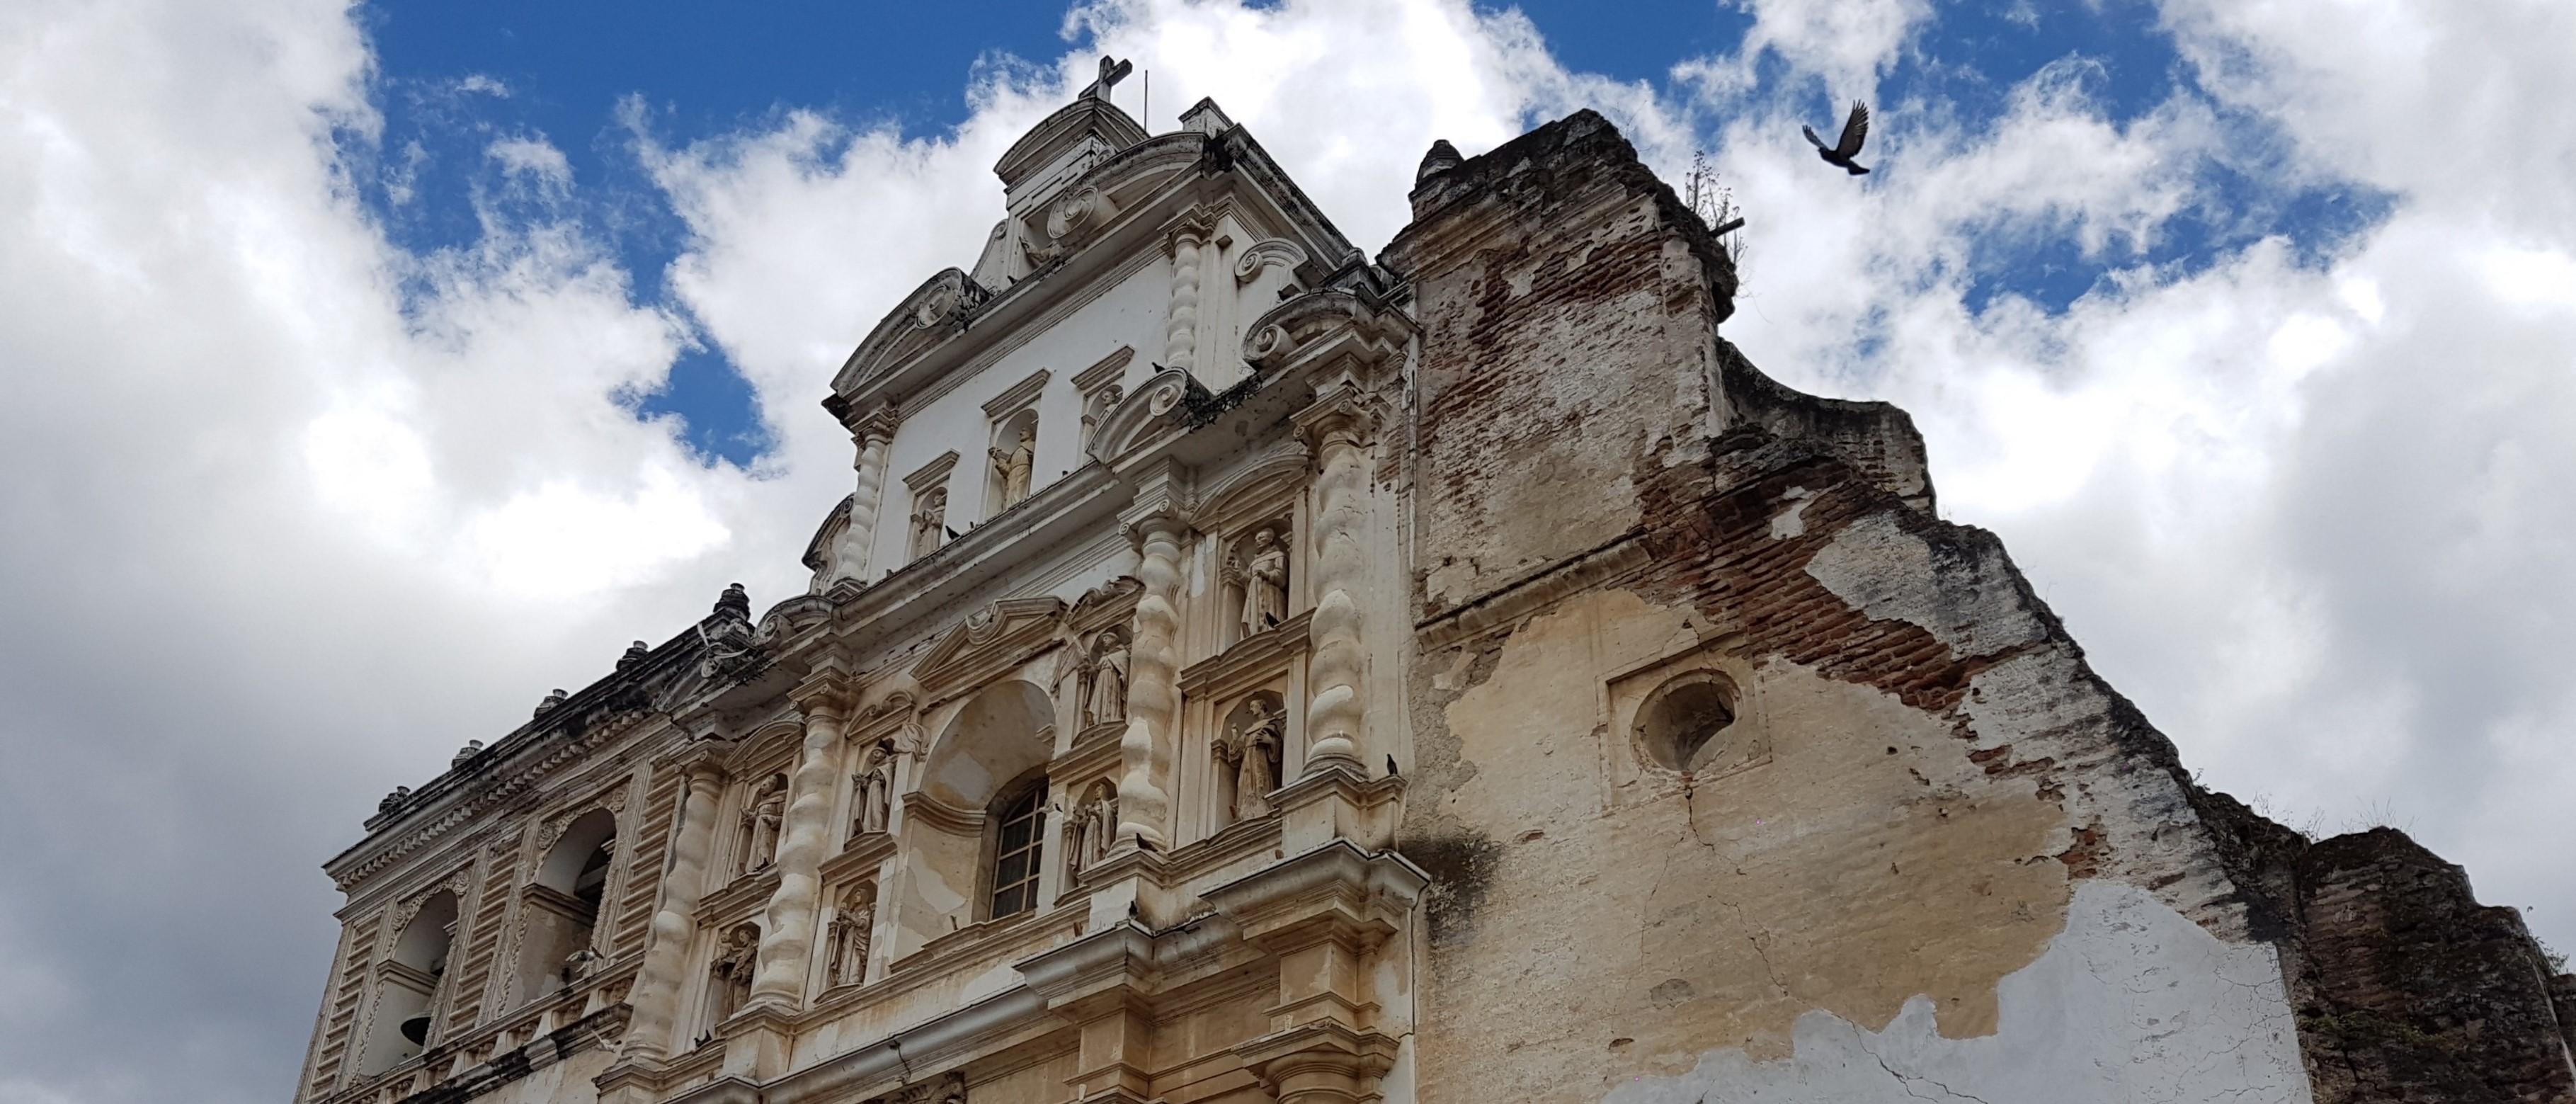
column 1933, row 856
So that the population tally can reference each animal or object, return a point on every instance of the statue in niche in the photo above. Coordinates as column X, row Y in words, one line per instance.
column 929, row 522
column 1107, row 698
column 1016, row 464
column 872, row 790
column 760, row 824
column 1091, row 827
column 735, row 961
column 1252, row 751
column 1262, row 572
column 851, row 921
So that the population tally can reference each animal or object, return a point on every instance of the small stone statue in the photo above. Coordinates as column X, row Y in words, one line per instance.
column 734, row 964
column 872, row 790
column 394, row 800
column 849, row 935
column 1016, row 464
column 1263, row 574
column 768, row 809
column 929, row 522
column 1108, row 696
column 1079, row 827
column 1103, row 806
column 1253, row 753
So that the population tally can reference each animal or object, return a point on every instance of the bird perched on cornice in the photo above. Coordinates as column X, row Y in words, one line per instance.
column 1855, row 131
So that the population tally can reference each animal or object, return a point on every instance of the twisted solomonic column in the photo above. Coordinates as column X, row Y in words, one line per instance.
column 655, row 997
column 787, row 928
column 873, row 434
column 1181, row 326
column 1153, row 687
column 1337, row 429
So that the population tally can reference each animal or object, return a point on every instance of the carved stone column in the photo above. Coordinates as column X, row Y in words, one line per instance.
column 787, row 928
column 872, row 435
column 1181, row 327
column 1337, row 427
column 656, row 995
column 1153, row 686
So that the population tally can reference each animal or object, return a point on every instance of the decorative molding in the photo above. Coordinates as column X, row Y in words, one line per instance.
column 1265, row 253
column 1109, row 370
column 932, row 474
column 990, row 640
column 1016, row 397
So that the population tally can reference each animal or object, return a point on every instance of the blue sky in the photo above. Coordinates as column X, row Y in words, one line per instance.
column 592, row 78
column 375, row 369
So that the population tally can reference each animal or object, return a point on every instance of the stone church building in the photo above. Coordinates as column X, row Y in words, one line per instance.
column 1244, row 670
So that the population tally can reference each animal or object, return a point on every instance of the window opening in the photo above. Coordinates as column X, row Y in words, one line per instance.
column 1016, row 853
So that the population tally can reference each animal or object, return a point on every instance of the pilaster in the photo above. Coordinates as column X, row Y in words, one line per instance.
column 656, row 993
column 872, row 434
column 1146, row 749
column 787, row 926
column 1338, row 427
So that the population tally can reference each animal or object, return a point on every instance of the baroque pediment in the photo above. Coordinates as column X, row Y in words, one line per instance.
column 933, row 313
column 1159, row 407
column 990, row 640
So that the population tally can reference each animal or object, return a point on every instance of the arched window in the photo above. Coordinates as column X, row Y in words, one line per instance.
column 407, row 985
column 1019, row 823
column 560, row 908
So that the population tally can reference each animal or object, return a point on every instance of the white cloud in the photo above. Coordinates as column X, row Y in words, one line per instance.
column 276, row 540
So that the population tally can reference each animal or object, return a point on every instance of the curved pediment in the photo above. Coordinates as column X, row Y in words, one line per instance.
column 1321, row 322
column 933, row 313
column 1086, row 119
column 1160, row 405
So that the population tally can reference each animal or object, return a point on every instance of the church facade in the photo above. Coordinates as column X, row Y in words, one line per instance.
column 1247, row 671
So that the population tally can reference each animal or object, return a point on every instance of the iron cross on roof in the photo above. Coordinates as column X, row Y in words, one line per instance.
column 1112, row 71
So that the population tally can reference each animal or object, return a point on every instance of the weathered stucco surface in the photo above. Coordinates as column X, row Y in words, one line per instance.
column 2131, row 1002
column 1865, row 861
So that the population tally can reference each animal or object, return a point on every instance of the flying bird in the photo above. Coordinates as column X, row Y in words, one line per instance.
column 1855, row 131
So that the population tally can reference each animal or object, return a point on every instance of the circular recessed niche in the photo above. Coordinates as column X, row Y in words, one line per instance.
column 1678, row 724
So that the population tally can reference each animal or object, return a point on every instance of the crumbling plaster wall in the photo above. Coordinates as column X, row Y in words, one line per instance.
column 1938, row 858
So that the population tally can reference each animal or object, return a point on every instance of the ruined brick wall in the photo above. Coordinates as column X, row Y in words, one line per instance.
column 1932, row 853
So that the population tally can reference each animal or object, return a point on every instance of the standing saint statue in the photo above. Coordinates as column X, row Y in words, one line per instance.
column 1263, row 573
column 1103, row 807
column 872, row 790
column 1078, row 830
column 849, row 935
column 1254, row 754
column 768, row 809
column 929, row 522
column 734, row 964
column 1108, row 696
column 1016, row 464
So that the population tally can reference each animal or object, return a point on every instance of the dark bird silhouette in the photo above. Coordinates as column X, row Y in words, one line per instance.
column 1855, row 132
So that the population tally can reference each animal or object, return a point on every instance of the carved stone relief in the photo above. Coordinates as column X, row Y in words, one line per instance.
column 761, row 817
column 729, row 983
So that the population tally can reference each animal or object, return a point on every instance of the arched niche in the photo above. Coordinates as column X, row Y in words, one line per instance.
column 407, row 985
column 990, row 741
column 560, row 908
column 997, row 741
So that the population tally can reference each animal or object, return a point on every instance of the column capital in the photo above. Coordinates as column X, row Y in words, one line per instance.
column 875, row 420
column 825, row 693
column 1342, row 413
